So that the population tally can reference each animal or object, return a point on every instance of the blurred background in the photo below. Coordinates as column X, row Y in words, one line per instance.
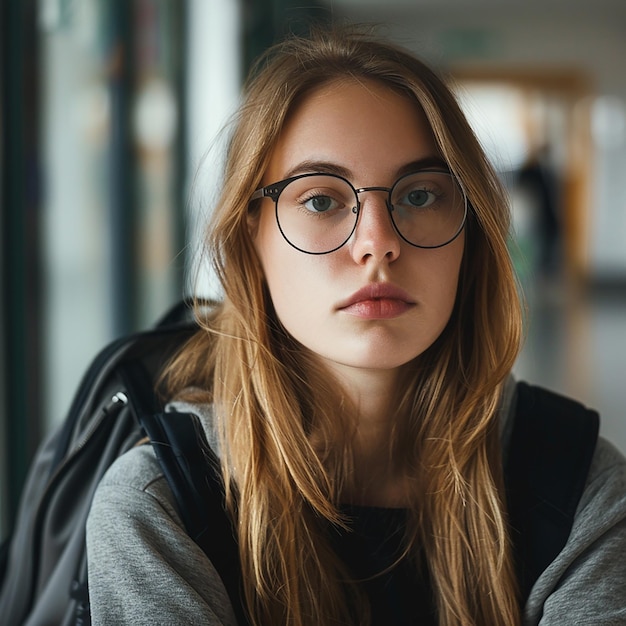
column 110, row 156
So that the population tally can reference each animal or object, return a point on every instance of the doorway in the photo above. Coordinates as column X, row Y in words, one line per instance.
column 538, row 115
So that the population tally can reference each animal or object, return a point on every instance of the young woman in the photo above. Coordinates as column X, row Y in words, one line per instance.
column 354, row 380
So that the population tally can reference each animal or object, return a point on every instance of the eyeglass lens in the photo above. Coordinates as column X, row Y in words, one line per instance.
column 318, row 213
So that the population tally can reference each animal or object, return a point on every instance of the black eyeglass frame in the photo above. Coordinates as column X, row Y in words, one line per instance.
column 274, row 190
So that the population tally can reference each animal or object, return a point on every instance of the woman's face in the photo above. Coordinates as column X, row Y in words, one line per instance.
column 377, row 302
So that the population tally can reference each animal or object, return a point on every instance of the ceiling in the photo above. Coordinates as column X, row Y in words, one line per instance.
column 503, row 5
column 380, row 10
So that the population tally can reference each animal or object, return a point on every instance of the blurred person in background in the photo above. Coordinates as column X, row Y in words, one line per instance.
column 538, row 180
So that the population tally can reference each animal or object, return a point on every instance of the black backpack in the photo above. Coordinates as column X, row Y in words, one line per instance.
column 43, row 572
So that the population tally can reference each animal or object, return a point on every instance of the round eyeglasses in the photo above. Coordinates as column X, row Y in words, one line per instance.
column 317, row 213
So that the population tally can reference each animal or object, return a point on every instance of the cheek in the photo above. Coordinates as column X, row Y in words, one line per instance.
column 444, row 273
column 284, row 268
column 302, row 289
column 270, row 249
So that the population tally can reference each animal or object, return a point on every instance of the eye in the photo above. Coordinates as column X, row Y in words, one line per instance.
column 320, row 204
column 423, row 190
column 419, row 198
column 318, row 195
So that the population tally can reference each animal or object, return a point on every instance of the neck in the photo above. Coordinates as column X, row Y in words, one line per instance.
column 377, row 480
column 374, row 394
column 377, row 483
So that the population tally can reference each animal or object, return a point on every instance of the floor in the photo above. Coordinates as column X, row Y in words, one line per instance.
column 576, row 344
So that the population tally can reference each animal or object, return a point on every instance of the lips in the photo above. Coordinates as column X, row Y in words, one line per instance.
column 377, row 301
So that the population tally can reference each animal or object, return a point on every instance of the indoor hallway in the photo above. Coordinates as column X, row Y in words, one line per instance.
column 576, row 345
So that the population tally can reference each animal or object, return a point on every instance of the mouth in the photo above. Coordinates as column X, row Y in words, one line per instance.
column 377, row 301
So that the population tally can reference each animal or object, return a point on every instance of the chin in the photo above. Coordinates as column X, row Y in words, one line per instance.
column 380, row 360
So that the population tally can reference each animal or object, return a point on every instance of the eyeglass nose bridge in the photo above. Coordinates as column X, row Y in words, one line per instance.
column 360, row 190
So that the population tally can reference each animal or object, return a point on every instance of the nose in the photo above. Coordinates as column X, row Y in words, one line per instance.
column 375, row 238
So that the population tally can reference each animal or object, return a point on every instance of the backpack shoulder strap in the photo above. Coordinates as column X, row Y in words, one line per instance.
column 192, row 471
column 552, row 445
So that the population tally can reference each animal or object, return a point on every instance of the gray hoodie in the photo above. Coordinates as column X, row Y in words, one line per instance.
column 145, row 570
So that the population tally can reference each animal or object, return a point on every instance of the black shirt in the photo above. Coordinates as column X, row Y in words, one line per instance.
column 399, row 591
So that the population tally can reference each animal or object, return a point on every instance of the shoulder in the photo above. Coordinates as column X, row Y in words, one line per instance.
column 138, row 470
column 136, row 479
column 138, row 549
column 133, row 489
column 586, row 581
column 604, row 499
column 601, row 513
column 609, row 460
column 604, row 493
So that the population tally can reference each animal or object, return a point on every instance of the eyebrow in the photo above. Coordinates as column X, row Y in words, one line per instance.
column 328, row 167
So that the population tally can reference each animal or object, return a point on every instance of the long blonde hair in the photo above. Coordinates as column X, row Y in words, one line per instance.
column 285, row 429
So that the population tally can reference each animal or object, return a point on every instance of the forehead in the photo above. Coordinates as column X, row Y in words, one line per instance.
column 363, row 126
